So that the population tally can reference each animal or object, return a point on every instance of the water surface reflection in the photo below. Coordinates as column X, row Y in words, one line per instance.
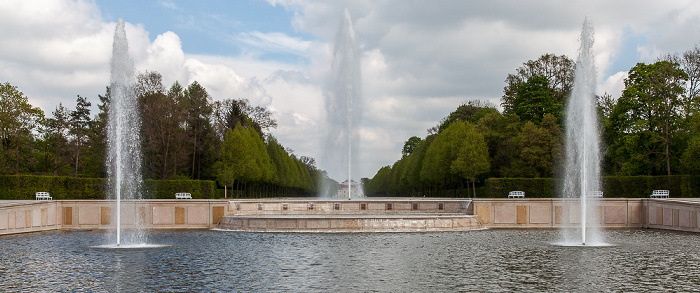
column 488, row 260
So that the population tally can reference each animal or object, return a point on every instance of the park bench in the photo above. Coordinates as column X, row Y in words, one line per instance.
column 516, row 194
column 43, row 196
column 659, row 194
column 183, row 195
column 598, row 194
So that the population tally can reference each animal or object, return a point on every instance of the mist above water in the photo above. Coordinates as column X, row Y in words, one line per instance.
column 342, row 105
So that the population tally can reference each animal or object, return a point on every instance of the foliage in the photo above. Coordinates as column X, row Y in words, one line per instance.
column 23, row 187
column 534, row 98
column 557, row 70
column 410, row 145
column 18, row 122
column 643, row 125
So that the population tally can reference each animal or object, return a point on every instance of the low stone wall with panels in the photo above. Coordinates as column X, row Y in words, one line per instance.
column 32, row 216
column 349, row 223
column 362, row 206
column 674, row 214
column 29, row 216
column 557, row 213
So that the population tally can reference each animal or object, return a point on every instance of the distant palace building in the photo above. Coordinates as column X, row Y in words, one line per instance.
column 357, row 189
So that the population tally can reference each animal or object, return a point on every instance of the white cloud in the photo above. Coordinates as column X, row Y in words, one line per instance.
column 420, row 60
column 613, row 85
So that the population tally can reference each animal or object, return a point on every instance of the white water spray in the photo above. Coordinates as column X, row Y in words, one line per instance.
column 582, row 174
column 343, row 100
column 123, row 141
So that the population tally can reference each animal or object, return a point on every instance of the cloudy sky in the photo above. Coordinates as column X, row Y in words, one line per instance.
column 420, row 59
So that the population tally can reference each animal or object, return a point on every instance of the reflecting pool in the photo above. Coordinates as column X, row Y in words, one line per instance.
column 487, row 260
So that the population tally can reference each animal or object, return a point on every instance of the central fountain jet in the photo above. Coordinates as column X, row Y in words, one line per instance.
column 123, row 140
column 582, row 174
column 343, row 100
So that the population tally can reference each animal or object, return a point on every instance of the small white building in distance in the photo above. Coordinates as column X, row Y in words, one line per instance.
column 357, row 189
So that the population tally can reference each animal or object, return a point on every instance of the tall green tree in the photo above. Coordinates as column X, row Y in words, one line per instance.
column 643, row 125
column 472, row 156
column 18, row 122
column 198, row 109
column 557, row 70
column 534, row 98
column 79, row 130
column 56, row 135
column 540, row 148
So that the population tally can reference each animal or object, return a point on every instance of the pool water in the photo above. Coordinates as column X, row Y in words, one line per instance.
column 486, row 260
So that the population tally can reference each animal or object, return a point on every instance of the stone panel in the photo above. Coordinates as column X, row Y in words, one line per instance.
column 128, row 214
column 522, row 214
column 504, row 214
column 20, row 221
column 317, row 224
column 179, row 215
column 68, row 216
column 443, row 223
column 350, row 207
column 559, row 215
column 659, row 216
column 483, row 213
column 667, row 216
column 106, row 215
column 163, row 215
column 28, row 218
column 541, row 214
column 216, row 214
column 44, row 217
column 3, row 220
column 36, row 218
column 142, row 216
column 614, row 215
column 88, row 215
column 633, row 213
column 373, row 206
column 684, row 218
column 403, row 206
column 11, row 220
column 257, row 223
column 52, row 216
column 351, row 224
column 197, row 215
column 675, row 217
column 574, row 213
column 287, row 223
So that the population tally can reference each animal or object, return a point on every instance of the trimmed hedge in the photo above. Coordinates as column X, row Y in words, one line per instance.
column 613, row 186
column 166, row 189
column 23, row 187
column 533, row 187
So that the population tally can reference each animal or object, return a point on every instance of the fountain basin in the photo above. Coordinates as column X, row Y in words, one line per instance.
column 367, row 215
column 350, row 223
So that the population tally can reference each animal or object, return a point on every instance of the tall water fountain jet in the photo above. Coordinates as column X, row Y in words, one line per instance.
column 343, row 100
column 582, row 169
column 123, row 142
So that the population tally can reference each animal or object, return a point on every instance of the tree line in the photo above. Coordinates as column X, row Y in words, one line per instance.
column 652, row 129
column 184, row 135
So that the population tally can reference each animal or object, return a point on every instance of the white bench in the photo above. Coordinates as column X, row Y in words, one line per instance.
column 659, row 194
column 598, row 194
column 183, row 195
column 43, row 196
column 516, row 194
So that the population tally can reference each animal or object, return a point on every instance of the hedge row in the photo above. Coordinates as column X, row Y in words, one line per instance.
column 613, row 186
column 23, row 187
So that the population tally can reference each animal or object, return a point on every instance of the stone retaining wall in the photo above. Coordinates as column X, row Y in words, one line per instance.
column 32, row 216
column 556, row 212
